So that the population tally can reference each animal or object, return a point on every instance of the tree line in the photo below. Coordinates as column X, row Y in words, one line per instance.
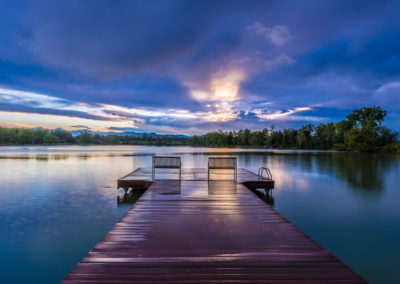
column 25, row 136
column 362, row 130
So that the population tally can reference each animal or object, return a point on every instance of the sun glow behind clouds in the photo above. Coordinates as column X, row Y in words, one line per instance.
column 221, row 88
column 220, row 93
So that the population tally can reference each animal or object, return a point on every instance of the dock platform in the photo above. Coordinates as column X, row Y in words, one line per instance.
column 142, row 177
column 196, row 230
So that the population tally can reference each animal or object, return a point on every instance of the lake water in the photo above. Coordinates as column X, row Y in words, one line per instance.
column 56, row 203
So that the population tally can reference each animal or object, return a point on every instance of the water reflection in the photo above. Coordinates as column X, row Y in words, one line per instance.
column 66, row 156
column 222, row 187
column 173, row 188
column 265, row 195
column 56, row 203
column 130, row 196
column 167, row 189
column 359, row 170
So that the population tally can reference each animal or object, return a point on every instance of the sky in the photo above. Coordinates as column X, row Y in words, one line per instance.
column 190, row 67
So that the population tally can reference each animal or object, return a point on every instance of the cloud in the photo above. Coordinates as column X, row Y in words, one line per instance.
column 224, row 86
column 388, row 93
column 14, row 125
column 122, row 129
column 65, row 113
column 391, row 87
column 201, row 66
column 278, row 35
column 80, row 126
column 279, row 115
column 118, row 41
column 29, row 98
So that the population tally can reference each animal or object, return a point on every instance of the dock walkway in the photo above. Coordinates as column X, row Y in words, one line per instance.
column 199, row 231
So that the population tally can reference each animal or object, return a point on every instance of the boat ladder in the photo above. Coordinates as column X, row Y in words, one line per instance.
column 266, row 176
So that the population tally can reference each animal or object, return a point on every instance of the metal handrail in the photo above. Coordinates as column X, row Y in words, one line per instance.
column 261, row 171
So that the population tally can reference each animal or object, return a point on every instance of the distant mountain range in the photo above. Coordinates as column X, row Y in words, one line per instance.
column 126, row 133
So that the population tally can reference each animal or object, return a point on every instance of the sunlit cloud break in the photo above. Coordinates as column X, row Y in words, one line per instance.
column 11, row 96
column 281, row 115
column 221, row 105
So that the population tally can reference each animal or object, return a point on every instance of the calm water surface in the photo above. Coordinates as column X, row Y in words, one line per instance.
column 56, row 203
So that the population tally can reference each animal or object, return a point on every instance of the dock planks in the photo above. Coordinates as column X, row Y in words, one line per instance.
column 199, row 231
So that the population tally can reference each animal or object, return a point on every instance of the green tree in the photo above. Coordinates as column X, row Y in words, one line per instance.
column 304, row 137
column 111, row 139
column 24, row 136
column 38, row 136
column 51, row 139
column 7, row 135
column 366, row 132
column 85, row 138
column 325, row 135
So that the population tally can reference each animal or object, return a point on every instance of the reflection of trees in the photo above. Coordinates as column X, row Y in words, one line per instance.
column 44, row 157
column 360, row 170
column 131, row 196
column 60, row 156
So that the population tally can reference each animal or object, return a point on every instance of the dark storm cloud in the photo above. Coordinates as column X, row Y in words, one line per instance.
column 140, row 90
column 112, row 39
column 327, row 55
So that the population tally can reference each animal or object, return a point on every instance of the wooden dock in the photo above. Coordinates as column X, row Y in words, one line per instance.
column 200, row 231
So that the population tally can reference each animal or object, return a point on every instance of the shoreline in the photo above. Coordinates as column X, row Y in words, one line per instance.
column 259, row 149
